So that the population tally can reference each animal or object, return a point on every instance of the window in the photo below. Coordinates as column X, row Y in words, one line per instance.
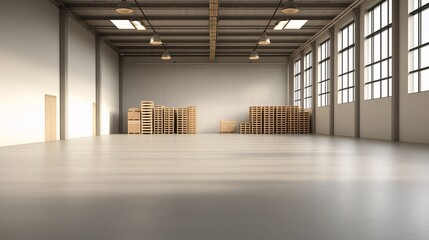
column 346, row 64
column 308, row 79
column 418, row 79
column 324, row 74
column 378, row 51
column 297, row 83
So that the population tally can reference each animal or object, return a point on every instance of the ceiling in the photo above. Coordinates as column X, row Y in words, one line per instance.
column 183, row 25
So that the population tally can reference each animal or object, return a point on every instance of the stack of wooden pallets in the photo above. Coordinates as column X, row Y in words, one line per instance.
column 281, row 117
column 134, row 121
column 293, row 119
column 304, row 122
column 147, row 117
column 192, row 118
column 182, row 120
column 158, row 119
column 169, row 120
column 256, row 119
column 245, row 128
column 269, row 119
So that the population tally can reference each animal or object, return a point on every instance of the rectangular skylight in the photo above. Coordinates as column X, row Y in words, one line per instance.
column 280, row 25
column 123, row 24
column 138, row 25
column 295, row 24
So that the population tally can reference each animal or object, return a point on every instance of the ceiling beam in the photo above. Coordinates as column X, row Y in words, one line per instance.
column 200, row 34
column 313, row 5
column 213, row 19
column 205, row 47
column 202, row 18
column 207, row 42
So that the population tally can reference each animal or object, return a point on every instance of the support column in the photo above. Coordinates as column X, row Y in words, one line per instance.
column 332, row 77
column 315, row 87
column 358, row 66
column 98, row 42
column 395, row 70
column 121, row 111
column 64, row 29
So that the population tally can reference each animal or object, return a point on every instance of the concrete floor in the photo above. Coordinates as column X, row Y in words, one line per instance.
column 215, row 187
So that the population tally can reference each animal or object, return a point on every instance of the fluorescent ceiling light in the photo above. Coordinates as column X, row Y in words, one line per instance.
column 280, row 25
column 138, row 25
column 295, row 24
column 123, row 24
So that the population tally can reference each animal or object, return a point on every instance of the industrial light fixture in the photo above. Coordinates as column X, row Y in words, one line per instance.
column 295, row 24
column 290, row 7
column 155, row 40
column 166, row 55
column 138, row 24
column 123, row 24
column 254, row 55
column 124, row 7
column 264, row 40
column 280, row 25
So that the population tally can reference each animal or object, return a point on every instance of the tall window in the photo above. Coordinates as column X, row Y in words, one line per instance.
column 308, row 79
column 378, row 51
column 297, row 83
column 418, row 79
column 324, row 73
column 346, row 64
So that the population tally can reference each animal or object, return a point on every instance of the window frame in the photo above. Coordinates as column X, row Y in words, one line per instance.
column 308, row 80
column 418, row 13
column 326, row 63
column 297, row 82
column 370, row 36
column 350, row 49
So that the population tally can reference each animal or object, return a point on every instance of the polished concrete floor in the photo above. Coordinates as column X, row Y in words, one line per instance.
column 214, row 187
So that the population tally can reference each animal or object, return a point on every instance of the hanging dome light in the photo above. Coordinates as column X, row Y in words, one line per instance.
column 166, row 55
column 155, row 40
column 290, row 7
column 264, row 40
column 124, row 7
column 254, row 55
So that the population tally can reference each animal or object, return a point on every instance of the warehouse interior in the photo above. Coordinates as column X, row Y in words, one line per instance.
column 73, row 69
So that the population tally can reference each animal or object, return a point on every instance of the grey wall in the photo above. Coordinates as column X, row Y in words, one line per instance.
column 29, row 67
column 109, row 90
column 220, row 91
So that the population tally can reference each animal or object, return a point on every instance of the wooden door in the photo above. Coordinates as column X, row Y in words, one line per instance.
column 50, row 118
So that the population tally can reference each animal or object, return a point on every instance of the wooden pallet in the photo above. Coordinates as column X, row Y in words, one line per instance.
column 228, row 126
column 192, row 118
column 281, row 120
column 147, row 117
column 133, row 127
column 245, row 128
column 134, row 114
column 182, row 120
column 304, row 123
column 169, row 120
column 256, row 119
column 269, row 119
column 158, row 119
column 293, row 119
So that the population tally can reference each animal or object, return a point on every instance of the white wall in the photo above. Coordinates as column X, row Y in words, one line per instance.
column 81, row 80
column 220, row 91
column 109, row 90
column 29, row 67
